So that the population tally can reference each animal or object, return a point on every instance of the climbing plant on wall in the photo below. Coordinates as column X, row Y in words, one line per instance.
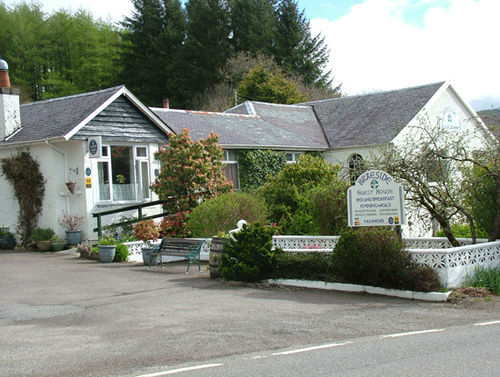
column 23, row 172
column 256, row 165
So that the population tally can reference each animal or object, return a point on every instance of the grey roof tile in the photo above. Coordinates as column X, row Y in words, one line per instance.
column 371, row 119
column 56, row 117
column 236, row 129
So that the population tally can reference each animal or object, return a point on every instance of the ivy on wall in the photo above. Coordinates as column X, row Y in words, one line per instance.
column 256, row 165
column 23, row 172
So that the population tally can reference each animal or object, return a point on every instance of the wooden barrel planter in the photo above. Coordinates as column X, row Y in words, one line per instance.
column 216, row 251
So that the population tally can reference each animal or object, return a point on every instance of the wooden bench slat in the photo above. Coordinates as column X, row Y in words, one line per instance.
column 178, row 247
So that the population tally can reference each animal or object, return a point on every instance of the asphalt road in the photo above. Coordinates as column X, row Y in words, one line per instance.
column 469, row 351
column 62, row 316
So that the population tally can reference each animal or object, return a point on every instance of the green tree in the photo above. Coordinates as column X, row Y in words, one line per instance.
column 252, row 24
column 263, row 85
column 151, row 52
column 296, row 50
column 207, row 44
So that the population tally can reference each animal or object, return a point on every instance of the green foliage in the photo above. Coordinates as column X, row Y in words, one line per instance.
column 42, row 234
column 191, row 171
column 249, row 256
column 121, row 253
column 252, row 23
column 296, row 50
column 304, row 266
column 287, row 193
column 207, row 45
column 263, row 85
column 463, row 231
column 221, row 214
column 107, row 240
column 57, row 54
column 7, row 239
column 151, row 52
column 484, row 278
column 328, row 207
column 256, row 165
column 481, row 199
column 23, row 172
column 377, row 258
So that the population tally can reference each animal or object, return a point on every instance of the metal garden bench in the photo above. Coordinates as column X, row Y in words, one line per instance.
column 177, row 247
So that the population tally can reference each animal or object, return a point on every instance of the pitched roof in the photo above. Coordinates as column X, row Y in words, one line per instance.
column 237, row 130
column 56, row 117
column 492, row 120
column 371, row 119
column 297, row 119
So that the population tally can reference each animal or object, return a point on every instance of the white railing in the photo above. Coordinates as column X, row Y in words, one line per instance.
column 451, row 263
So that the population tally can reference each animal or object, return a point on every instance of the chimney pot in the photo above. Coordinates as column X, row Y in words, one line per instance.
column 4, row 74
column 166, row 103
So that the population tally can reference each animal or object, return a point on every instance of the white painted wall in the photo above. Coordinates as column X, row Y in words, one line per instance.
column 10, row 115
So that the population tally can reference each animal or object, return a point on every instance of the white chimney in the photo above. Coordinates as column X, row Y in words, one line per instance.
column 10, row 114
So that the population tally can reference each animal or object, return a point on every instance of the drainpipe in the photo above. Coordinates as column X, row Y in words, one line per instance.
column 65, row 168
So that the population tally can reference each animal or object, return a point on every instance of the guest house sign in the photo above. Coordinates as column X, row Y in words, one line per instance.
column 375, row 200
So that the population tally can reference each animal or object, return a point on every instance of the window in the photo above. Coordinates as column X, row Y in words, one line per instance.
column 231, row 168
column 123, row 173
column 291, row 157
column 356, row 167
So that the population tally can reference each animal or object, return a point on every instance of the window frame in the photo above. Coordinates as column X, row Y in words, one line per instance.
column 136, row 172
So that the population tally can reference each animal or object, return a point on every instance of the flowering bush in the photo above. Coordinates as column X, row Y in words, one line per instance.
column 176, row 226
column 70, row 222
column 146, row 231
column 191, row 171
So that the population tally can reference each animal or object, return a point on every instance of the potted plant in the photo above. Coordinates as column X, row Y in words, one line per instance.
column 107, row 248
column 146, row 231
column 7, row 239
column 57, row 243
column 71, row 224
column 42, row 236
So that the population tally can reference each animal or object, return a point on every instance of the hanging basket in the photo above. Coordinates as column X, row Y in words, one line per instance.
column 71, row 186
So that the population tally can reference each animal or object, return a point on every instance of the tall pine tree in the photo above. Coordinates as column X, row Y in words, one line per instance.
column 207, row 44
column 252, row 24
column 153, row 39
column 295, row 50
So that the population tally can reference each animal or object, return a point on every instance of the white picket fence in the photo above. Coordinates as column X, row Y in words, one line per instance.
column 451, row 263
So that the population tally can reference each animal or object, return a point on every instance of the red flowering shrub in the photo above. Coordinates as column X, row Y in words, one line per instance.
column 176, row 226
column 146, row 230
column 191, row 171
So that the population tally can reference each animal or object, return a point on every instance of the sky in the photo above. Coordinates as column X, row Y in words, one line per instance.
column 389, row 44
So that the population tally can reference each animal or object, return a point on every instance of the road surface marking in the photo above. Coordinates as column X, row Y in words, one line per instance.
column 412, row 333
column 311, row 348
column 180, row 370
column 487, row 323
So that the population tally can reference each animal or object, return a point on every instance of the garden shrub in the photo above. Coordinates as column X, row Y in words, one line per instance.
column 121, row 253
column 249, row 256
column 304, row 266
column 377, row 258
column 176, row 226
column 220, row 214
column 42, row 234
column 286, row 194
column 328, row 208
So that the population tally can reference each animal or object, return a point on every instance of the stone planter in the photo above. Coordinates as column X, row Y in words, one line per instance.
column 106, row 253
column 215, row 256
column 73, row 237
column 43, row 245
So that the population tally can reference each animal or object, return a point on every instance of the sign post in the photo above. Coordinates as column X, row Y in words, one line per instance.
column 375, row 200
